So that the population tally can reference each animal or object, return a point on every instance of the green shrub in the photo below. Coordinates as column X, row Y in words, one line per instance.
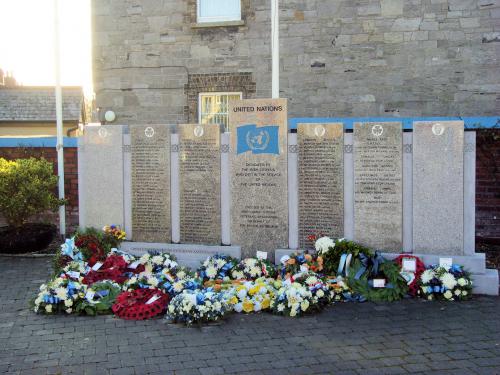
column 26, row 189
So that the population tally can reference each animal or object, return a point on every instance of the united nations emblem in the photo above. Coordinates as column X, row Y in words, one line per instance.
column 198, row 131
column 149, row 132
column 438, row 129
column 257, row 140
column 377, row 130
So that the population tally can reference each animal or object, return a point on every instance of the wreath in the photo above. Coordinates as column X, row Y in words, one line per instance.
column 368, row 269
column 332, row 253
column 413, row 284
column 297, row 263
column 99, row 298
column 140, row 304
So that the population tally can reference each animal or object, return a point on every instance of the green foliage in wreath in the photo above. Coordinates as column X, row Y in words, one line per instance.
column 99, row 305
column 331, row 258
column 388, row 271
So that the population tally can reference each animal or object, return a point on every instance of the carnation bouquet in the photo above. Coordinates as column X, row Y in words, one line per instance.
column 252, row 296
column 253, row 268
column 217, row 267
column 197, row 306
column 59, row 295
column 449, row 284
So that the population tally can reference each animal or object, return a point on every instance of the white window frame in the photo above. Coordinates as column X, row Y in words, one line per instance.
column 201, row 19
column 215, row 93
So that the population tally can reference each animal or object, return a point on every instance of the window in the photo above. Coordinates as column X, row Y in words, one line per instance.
column 218, row 10
column 213, row 107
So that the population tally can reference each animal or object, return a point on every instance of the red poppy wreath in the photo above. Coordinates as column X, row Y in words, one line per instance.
column 140, row 304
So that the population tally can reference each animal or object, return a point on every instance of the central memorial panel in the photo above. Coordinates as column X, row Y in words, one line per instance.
column 259, row 191
column 378, row 185
column 199, row 162
column 321, row 181
column 150, row 146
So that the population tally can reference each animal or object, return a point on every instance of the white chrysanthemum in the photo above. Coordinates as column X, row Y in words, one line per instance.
column 153, row 281
column 48, row 308
column 211, row 272
column 157, row 259
column 324, row 244
column 293, row 312
column 427, row 276
column 304, row 305
column 61, row 293
column 458, row 292
column 320, row 293
column 448, row 294
column 178, row 286
column 464, row 292
column 254, row 271
column 238, row 307
column 68, row 303
column 281, row 307
column 144, row 258
column 238, row 275
column 462, row 282
column 181, row 274
column 448, row 280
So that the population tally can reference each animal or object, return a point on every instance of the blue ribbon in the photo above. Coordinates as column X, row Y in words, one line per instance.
column 342, row 261
column 102, row 293
column 374, row 262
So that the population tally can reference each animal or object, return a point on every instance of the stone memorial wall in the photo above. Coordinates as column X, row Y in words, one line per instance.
column 438, row 193
column 321, row 181
column 378, row 185
column 150, row 175
column 199, row 174
column 259, row 198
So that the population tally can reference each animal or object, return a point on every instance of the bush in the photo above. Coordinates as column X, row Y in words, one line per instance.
column 26, row 189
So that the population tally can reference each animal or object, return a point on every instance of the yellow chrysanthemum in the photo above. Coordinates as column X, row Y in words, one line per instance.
column 234, row 300
column 247, row 306
column 265, row 303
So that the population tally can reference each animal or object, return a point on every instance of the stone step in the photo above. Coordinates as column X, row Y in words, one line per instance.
column 486, row 283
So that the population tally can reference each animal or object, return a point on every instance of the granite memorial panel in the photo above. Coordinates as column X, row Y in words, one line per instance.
column 321, row 181
column 378, row 185
column 100, row 174
column 150, row 147
column 199, row 163
column 438, row 194
column 259, row 191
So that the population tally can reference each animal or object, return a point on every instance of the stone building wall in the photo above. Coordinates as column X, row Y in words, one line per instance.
column 338, row 57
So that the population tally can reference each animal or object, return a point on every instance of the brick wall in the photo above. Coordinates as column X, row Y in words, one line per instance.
column 70, row 178
column 488, row 185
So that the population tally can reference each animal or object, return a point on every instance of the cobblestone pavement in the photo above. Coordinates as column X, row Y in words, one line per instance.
column 399, row 338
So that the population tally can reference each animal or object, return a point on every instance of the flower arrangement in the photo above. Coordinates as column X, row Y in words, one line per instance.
column 114, row 231
column 449, row 284
column 99, row 298
column 59, row 295
column 217, row 267
column 293, row 299
column 295, row 263
column 252, row 296
column 197, row 306
column 253, row 268
column 321, row 293
column 155, row 262
column 412, row 278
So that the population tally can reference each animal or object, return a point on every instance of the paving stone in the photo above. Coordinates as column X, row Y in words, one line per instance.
column 403, row 337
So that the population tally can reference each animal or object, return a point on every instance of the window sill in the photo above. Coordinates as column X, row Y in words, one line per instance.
column 204, row 25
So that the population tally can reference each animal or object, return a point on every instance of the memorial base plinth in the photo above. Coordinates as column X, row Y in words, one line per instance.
column 188, row 255
column 485, row 280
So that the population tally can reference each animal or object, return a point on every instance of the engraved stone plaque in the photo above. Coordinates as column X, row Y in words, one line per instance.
column 438, row 195
column 150, row 145
column 199, row 163
column 101, row 176
column 321, row 181
column 378, row 185
column 259, row 191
